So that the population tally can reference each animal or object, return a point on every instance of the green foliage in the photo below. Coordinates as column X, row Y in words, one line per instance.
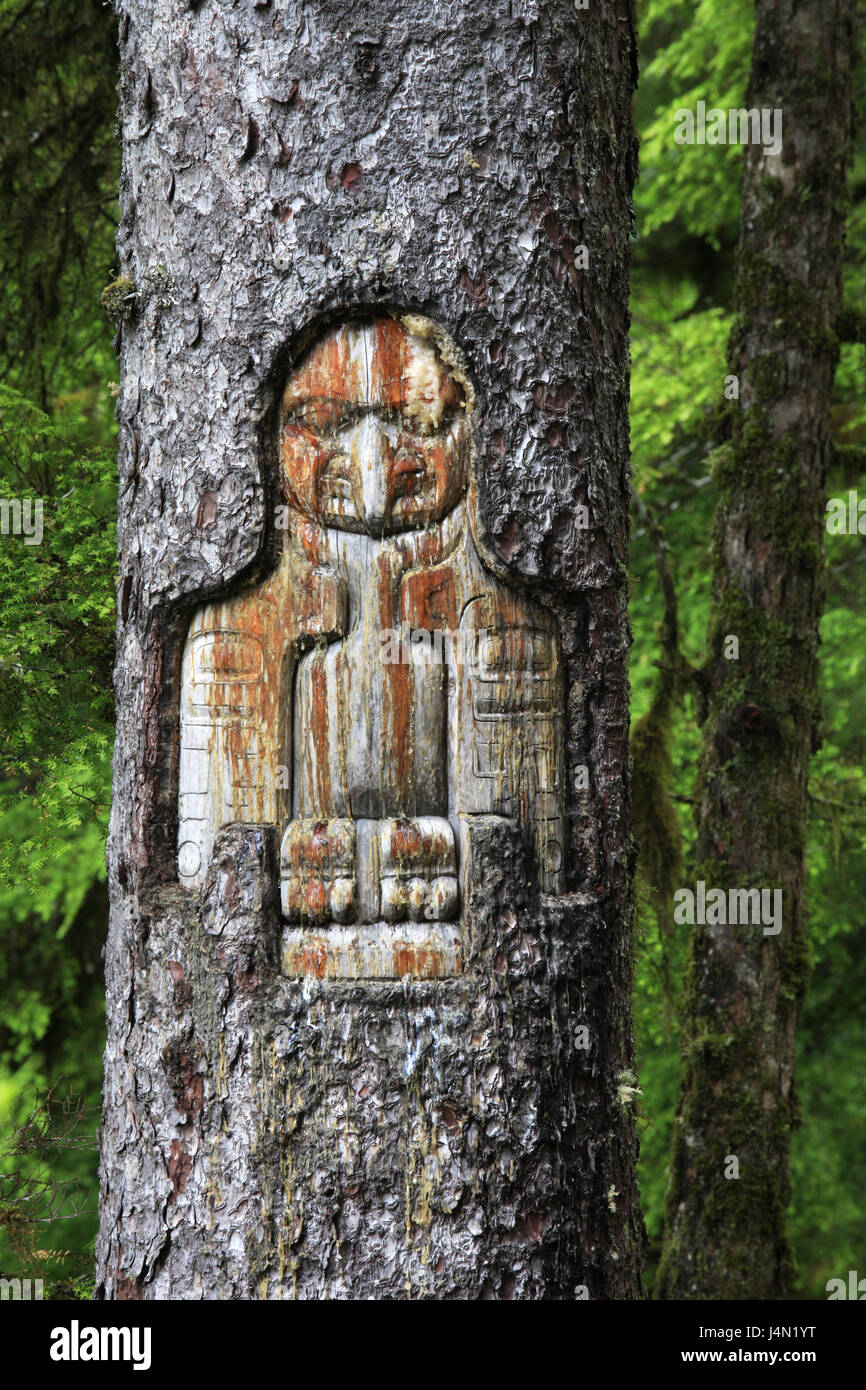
column 56, row 630
column 691, row 53
column 37, row 1206
column 687, row 206
column 58, row 176
column 56, row 621
column 58, row 181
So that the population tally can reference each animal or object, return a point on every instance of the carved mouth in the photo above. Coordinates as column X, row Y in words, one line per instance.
column 410, row 489
column 412, row 496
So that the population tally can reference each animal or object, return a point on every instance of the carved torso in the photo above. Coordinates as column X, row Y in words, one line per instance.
column 382, row 687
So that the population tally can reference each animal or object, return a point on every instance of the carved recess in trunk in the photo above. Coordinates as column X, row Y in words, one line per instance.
column 382, row 689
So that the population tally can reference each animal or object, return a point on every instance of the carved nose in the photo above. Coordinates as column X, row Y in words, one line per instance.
column 372, row 450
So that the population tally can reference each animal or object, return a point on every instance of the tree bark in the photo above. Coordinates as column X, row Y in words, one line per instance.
column 275, row 1128
column 725, row 1234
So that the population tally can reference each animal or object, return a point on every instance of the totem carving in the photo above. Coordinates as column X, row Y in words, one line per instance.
column 382, row 688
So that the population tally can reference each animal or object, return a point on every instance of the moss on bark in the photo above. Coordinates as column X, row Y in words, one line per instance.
column 725, row 1237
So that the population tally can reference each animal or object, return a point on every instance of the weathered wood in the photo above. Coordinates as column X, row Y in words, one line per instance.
column 369, row 961
column 388, row 746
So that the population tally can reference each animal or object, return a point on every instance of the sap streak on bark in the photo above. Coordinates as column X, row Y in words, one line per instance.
column 270, row 1137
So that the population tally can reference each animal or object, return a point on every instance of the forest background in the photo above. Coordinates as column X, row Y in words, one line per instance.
column 59, row 162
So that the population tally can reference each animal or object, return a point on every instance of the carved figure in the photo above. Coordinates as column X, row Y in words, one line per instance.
column 301, row 707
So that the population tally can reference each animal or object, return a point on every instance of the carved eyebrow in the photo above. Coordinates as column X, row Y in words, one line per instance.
column 300, row 403
column 319, row 412
column 343, row 406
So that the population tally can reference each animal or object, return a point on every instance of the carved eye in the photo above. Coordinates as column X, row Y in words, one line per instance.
column 318, row 414
column 409, row 477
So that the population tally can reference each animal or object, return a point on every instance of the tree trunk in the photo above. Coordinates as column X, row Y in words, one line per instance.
column 725, row 1233
column 370, row 958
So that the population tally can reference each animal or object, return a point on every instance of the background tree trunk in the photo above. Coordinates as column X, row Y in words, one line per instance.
column 725, row 1236
column 462, row 1138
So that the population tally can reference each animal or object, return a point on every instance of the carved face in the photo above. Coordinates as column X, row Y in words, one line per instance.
column 375, row 434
